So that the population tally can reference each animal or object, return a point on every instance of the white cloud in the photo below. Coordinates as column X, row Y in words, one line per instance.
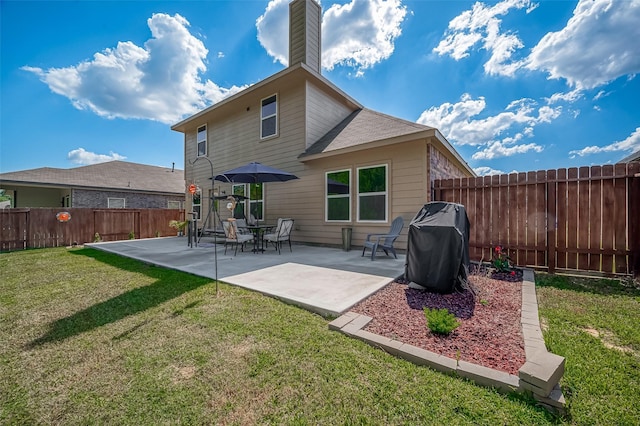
column 160, row 81
column 358, row 34
column 630, row 144
column 487, row 171
column 457, row 123
column 361, row 34
column 273, row 30
column 83, row 157
column 571, row 96
column 598, row 44
column 481, row 26
column 501, row 149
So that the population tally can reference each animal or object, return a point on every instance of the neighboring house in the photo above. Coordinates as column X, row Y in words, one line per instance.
column 633, row 157
column 358, row 168
column 114, row 184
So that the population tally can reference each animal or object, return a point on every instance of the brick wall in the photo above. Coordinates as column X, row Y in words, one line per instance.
column 441, row 167
column 99, row 199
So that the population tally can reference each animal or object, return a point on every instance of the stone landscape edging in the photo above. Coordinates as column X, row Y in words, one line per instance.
column 539, row 376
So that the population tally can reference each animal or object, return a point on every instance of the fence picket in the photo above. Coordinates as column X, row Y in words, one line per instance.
column 567, row 219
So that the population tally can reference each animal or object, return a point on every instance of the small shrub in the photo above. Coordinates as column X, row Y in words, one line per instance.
column 501, row 261
column 132, row 235
column 97, row 238
column 157, row 234
column 441, row 321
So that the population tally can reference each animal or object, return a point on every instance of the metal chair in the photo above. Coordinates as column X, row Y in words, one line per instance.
column 384, row 241
column 233, row 236
column 281, row 233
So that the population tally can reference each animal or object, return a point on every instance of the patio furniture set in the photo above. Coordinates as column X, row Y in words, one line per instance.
column 238, row 233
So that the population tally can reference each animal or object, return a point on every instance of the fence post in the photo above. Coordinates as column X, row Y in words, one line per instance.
column 634, row 217
column 551, row 220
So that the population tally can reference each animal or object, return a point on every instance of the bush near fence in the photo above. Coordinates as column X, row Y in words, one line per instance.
column 38, row 227
column 568, row 220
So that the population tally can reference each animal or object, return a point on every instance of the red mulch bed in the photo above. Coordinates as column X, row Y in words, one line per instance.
column 489, row 335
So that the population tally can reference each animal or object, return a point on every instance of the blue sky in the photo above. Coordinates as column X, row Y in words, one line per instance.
column 514, row 85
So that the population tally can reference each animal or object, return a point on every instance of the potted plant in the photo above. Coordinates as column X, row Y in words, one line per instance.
column 179, row 226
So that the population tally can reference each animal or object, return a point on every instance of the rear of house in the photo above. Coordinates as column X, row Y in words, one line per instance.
column 358, row 168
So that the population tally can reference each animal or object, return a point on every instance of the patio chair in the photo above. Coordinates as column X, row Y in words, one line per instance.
column 384, row 241
column 241, row 225
column 233, row 236
column 281, row 233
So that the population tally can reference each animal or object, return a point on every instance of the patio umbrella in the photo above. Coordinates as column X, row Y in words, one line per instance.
column 255, row 173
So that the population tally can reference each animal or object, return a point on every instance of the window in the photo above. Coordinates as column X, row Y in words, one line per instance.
column 269, row 117
column 256, row 200
column 116, row 203
column 338, row 191
column 239, row 210
column 372, row 194
column 196, row 204
column 201, row 139
column 173, row 205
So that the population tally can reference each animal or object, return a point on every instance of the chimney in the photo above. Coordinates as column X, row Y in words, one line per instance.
column 304, row 33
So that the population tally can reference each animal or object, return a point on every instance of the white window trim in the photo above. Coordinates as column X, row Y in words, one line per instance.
column 110, row 199
column 327, row 196
column 249, row 201
column 170, row 202
column 199, row 218
column 275, row 134
column 385, row 193
column 201, row 141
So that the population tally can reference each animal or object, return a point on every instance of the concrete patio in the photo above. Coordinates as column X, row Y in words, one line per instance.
column 324, row 280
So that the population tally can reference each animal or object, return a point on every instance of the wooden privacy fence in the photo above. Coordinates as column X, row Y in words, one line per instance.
column 576, row 219
column 38, row 227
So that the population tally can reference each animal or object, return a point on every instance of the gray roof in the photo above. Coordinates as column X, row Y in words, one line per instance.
column 633, row 157
column 361, row 127
column 118, row 175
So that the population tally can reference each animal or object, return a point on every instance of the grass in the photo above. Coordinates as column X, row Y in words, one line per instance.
column 595, row 325
column 88, row 337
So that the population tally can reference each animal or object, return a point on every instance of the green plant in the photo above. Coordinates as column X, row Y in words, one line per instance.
column 132, row 235
column 178, row 225
column 157, row 234
column 97, row 238
column 441, row 321
column 501, row 261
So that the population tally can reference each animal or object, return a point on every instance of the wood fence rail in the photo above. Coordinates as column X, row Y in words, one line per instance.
column 38, row 227
column 576, row 219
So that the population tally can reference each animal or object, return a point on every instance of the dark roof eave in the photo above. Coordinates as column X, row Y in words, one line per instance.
column 421, row 134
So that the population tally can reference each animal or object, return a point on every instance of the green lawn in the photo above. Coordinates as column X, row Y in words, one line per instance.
column 88, row 337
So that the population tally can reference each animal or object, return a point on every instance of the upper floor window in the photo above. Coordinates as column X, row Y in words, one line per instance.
column 372, row 194
column 171, row 204
column 338, row 192
column 201, row 140
column 269, row 117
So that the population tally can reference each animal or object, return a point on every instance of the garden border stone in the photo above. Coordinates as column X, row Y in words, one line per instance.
column 539, row 376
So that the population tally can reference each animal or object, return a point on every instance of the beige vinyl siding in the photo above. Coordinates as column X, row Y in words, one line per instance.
column 406, row 192
column 304, row 34
column 234, row 140
column 324, row 113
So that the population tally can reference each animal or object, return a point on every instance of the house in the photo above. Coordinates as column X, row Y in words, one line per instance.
column 114, row 184
column 631, row 157
column 358, row 168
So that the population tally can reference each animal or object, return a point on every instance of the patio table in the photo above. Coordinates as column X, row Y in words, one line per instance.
column 258, row 233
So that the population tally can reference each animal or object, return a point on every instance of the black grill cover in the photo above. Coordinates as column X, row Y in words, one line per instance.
column 438, row 247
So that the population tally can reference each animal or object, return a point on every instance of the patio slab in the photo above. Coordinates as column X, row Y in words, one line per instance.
column 324, row 280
